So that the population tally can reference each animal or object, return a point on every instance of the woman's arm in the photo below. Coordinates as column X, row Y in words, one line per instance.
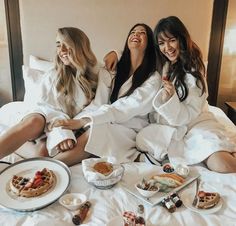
column 125, row 108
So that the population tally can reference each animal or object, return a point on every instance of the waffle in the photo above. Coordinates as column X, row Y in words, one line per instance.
column 32, row 187
column 207, row 200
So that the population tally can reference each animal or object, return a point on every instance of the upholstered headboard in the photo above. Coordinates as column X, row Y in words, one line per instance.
column 106, row 22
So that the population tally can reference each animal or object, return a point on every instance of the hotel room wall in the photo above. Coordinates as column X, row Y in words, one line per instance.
column 106, row 22
column 5, row 74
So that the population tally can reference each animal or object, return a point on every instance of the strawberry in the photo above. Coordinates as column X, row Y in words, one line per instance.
column 201, row 194
column 37, row 183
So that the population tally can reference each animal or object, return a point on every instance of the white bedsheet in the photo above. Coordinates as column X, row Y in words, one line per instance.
column 108, row 205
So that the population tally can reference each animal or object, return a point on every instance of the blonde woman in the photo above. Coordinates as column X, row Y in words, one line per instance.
column 65, row 92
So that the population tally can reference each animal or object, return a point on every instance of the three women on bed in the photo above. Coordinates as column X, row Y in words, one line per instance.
column 182, row 125
column 65, row 92
column 112, row 127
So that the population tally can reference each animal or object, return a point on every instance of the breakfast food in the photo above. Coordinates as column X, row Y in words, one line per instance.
column 31, row 187
column 207, row 200
column 149, row 185
column 104, row 168
column 170, row 179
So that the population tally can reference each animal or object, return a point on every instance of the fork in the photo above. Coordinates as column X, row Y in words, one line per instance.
column 194, row 203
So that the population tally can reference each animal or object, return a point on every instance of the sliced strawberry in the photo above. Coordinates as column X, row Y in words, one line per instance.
column 38, row 173
column 37, row 183
column 38, row 176
column 201, row 194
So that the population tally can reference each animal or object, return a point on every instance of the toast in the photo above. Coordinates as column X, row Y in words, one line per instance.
column 104, row 168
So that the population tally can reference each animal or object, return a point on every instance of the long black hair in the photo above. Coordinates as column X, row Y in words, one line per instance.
column 142, row 73
column 190, row 56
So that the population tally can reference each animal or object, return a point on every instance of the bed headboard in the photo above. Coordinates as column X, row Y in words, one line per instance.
column 105, row 22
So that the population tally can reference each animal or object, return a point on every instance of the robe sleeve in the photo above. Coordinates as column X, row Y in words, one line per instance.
column 138, row 103
column 178, row 113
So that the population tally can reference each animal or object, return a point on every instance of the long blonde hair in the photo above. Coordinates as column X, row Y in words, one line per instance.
column 83, row 61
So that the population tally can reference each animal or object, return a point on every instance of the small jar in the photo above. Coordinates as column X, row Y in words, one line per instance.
column 176, row 199
column 168, row 204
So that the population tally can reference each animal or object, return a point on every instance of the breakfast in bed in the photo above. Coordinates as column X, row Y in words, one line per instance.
column 40, row 183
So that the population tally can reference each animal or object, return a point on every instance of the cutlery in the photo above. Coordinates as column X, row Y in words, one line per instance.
column 194, row 203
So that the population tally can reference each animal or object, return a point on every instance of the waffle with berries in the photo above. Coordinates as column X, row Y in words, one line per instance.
column 207, row 200
column 31, row 187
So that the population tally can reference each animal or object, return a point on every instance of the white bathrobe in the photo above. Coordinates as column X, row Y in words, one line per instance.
column 113, row 127
column 51, row 105
column 186, row 130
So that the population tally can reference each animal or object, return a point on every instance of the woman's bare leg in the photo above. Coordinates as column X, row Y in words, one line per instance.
column 30, row 128
column 77, row 154
column 222, row 162
column 43, row 152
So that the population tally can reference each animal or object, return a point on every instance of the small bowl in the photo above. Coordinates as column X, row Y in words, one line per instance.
column 146, row 193
column 168, row 168
column 182, row 170
column 72, row 201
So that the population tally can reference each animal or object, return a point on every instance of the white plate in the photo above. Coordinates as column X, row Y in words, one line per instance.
column 3, row 165
column 159, row 196
column 28, row 168
column 187, row 198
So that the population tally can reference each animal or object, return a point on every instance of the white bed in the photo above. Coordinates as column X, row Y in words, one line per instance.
column 107, row 205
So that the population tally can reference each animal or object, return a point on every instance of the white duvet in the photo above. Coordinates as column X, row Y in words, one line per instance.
column 108, row 205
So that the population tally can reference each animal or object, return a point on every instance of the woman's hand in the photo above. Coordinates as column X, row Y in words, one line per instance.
column 110, row 61
column 66, row 145
column 168, row 90
column 72, row 124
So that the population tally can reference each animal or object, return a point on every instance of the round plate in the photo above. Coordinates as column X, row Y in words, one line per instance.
column 187, row 198
column 4, row 165
column 28, row 168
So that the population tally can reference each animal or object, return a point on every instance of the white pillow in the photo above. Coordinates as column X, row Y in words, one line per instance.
column 39, row 64
column 32, row 79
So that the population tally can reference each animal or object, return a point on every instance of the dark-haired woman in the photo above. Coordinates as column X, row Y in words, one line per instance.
column 113, row 126
column 183, row 126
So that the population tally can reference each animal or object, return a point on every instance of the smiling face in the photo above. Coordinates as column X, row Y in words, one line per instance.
column 62, row 51
column 169, row 46
column 137, row 38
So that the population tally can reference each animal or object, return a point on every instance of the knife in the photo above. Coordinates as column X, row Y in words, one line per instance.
column 194, row 203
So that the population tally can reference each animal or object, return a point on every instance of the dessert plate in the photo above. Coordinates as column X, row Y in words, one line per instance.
column 4, row 165
column 187, row 198
column 28, row 168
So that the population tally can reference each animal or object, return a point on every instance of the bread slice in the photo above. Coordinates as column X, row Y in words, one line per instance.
column 104, row 168
column 207, row 200
column 169, row 179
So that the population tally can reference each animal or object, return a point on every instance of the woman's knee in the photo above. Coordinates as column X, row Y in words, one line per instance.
column 222, row 162
column 141, row 139
column 34, row 122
